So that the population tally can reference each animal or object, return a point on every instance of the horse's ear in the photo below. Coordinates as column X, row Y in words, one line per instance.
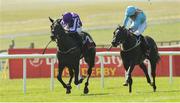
column 51, row 19
column 119, row 26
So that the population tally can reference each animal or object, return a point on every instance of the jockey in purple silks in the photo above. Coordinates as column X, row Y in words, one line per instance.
column 72, row 24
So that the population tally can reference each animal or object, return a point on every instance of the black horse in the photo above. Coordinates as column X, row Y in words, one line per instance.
column 69, row 54
column 133, row 54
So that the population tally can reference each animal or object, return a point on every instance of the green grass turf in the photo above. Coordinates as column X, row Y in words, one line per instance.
column 19, row 18
column 39, row 90
column 158, row 32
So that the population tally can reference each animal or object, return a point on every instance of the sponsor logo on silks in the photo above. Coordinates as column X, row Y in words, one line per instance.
column 36, row 62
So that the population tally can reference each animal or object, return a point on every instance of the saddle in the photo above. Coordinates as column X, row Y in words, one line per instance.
column 87, row 41
column 83, row 40
column 144, row 45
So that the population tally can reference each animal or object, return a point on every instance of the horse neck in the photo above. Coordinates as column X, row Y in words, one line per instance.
column 129, row 42
column 66, row 42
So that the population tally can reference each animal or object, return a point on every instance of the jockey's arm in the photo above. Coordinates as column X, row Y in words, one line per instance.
column 138, row 21
column 136, row 25
column 125, row 22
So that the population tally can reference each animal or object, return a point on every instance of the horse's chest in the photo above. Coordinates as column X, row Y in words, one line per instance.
column 68, row 58
column 132, row 57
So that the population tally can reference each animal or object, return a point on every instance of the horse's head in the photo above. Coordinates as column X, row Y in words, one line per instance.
column 56, row 29
column 120, row 35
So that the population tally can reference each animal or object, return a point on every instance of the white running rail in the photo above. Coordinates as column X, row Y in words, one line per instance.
column 100, row 54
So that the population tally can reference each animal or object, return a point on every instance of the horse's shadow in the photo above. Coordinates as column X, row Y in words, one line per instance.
column 95, row 94
column 160, row 91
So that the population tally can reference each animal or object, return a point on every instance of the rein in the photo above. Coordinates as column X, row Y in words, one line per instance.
column 137, row 44
column 67, row 51
column 46, row 47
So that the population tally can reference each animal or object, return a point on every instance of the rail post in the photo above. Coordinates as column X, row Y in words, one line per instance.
column 102, row 71
column 170, row 69
column 52, row 74
column 24, row 75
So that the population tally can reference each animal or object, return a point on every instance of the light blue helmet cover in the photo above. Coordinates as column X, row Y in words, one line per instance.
column 130, row 10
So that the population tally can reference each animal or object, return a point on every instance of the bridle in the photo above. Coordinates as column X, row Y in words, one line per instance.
column 70, row 50
column 122, row 42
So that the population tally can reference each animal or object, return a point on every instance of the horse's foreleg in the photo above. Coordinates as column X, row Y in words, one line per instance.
column 59, row 77
column 68, row 90
column 76, row 71
column 86, row 90
column 71, row 73
column 130, row 81
column 153, row 73
column 143, row 67
column 126, row 75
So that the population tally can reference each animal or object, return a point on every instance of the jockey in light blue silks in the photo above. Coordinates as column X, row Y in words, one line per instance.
column 135, row 21
column 72, row 24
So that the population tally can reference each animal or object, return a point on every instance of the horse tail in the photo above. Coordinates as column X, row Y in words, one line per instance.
column 154, row 55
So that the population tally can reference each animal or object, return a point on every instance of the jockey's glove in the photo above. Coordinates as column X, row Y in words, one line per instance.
column 131, row 30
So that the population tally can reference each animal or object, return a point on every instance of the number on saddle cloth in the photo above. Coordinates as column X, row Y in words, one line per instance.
column 87, row 41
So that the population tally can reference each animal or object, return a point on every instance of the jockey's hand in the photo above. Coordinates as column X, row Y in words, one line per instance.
column 131, row 30
column 53, row 38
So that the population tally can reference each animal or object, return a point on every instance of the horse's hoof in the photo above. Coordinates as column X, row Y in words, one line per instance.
column 86, row 90
column 68, row 91
column 130, row 90
column 125, row 84
column 149, row 81
column 154, row 88
column 81, row 80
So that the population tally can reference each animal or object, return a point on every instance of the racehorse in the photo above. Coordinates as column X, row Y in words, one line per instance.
column 69, row 54
column 132, row 54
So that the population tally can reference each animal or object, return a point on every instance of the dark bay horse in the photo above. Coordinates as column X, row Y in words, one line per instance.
column 133, row 54
column 69, row 54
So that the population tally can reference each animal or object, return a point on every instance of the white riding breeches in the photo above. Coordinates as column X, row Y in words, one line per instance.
column 140, row 29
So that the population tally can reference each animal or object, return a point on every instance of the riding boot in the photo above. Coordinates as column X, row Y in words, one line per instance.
column 145, row 46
